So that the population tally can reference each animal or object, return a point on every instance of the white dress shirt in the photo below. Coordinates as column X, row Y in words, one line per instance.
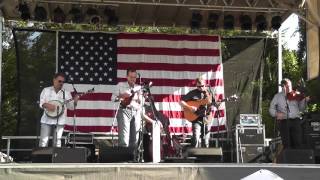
column 49, row 94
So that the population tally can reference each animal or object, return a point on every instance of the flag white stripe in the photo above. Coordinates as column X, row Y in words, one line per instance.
column 154, row 89
column 161, row 106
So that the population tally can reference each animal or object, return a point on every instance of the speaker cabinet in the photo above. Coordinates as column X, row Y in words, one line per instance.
column 115, row 154
column 59, row 155
column 297, row 156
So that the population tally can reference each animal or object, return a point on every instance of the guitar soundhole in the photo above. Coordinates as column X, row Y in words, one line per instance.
column 201, row 112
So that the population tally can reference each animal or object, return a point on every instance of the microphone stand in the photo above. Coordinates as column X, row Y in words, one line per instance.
column 38, row 124
column 113, row 122
column 140, row 149
column 74, row 117
column 287, row 118
column 55, row 139
column 218, row 115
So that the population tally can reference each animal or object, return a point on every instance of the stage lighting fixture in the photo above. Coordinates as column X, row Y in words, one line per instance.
column 58, row 15
column 196, row 20
column 246, row 22
column 76, row 15
column 112, row 17
column 40, row 13
column 261, row 23
column 228, row 22
column 95, row 19
column 94, row 16
column 24, row 11
column 213, row 20
column 276, row 22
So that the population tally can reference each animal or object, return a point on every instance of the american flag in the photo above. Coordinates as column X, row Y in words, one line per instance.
column 171, row 62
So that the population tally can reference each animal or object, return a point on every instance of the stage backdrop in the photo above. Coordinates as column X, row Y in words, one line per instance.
column 171, row 62
column 172, row 75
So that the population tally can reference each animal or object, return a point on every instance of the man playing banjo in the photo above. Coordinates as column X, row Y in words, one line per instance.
column 52, row 100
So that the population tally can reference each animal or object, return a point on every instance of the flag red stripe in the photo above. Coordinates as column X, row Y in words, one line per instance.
column 168, row 37
column 179, row 114
column 110, row 113
column 171, row 67
column 218, row 128
column 90, row 128
column 157, row 97
column 97, row 97
column 168, row 51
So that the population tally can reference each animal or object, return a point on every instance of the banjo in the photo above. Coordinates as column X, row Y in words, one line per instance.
column 60, row 105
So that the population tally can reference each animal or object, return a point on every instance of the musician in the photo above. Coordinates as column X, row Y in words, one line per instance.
column 55, row 92
column 128, row 116
column 286, row 107
column 200, row 127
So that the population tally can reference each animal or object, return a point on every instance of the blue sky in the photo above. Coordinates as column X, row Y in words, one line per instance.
column 291, row 37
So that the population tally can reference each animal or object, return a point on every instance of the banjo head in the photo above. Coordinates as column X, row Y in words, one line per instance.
column 58, row 111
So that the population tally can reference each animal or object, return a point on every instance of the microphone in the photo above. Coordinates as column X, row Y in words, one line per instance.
column 150, row 83
column 139, row 75
column 282, row 83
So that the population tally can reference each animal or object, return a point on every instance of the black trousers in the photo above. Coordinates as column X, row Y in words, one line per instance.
column 291, row 133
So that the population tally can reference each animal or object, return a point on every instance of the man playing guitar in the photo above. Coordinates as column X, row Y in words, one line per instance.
column 54, row 93
column 200, row 126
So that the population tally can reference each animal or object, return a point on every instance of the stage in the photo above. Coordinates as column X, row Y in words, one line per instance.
column 153, row 171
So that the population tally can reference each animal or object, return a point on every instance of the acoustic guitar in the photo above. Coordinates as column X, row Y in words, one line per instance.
column 203, row 108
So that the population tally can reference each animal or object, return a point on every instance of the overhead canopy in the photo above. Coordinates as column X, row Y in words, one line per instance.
column 157, row 12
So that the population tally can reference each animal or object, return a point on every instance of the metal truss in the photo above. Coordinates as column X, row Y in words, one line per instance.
column 280, row 6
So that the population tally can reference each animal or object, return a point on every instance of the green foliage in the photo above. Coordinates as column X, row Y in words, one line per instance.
column 9, row 86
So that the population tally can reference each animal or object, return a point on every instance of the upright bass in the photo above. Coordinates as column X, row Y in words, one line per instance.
column 171, row 147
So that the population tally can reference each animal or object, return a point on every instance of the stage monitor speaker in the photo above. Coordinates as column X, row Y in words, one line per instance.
column 206, row 155
column 297, row 156
column 59, row 155
column 115, row 154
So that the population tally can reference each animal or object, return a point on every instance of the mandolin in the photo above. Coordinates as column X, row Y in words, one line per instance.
column 126, row 101
column 202, row 109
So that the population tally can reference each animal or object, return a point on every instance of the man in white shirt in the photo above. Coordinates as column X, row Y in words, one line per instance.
column 287, row 109
column 129, row 113
column 48, row 94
